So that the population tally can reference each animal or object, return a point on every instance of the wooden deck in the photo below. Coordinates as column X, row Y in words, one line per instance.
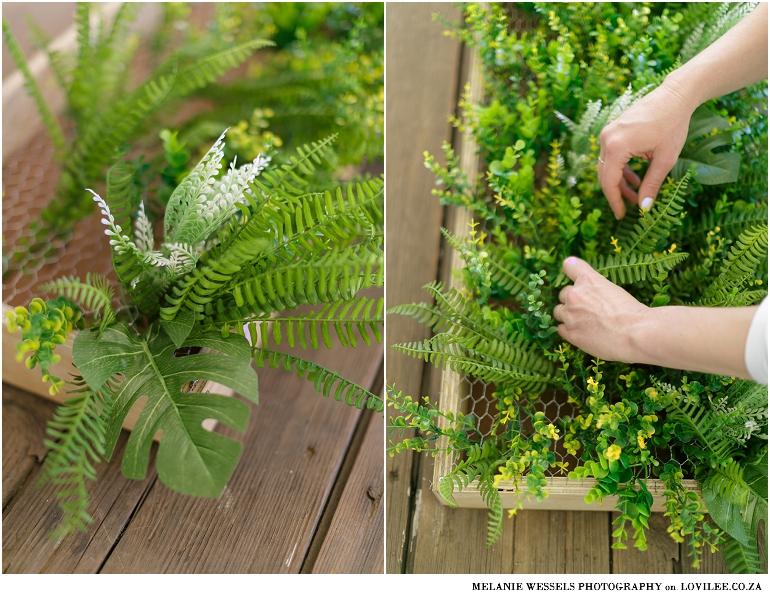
column 425, row 72
column 305, row 497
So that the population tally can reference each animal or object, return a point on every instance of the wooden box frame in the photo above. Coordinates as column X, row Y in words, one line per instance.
column 564, row 493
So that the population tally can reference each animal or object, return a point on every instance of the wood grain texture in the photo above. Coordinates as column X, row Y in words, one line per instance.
column 34, row 512
column 588, row 546
column 266, row 517
column 661, row 556
column 24, row 420
column 453, row 540
column 355, row 541
column 422, row 67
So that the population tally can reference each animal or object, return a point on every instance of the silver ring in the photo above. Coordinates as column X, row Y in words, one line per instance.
column 601, row 161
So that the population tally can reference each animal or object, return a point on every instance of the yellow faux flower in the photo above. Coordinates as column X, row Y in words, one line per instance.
column 612, row 453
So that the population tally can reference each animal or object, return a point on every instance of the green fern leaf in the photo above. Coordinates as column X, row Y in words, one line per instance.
column 76, row 442
column 742, row 558
column 94, row 295
column 190, row 459
column 636, row 267
column 341, row 317
column 323, row 379
column 32, row 87
column 654, row 227
column 209, row 69
column 742, row 264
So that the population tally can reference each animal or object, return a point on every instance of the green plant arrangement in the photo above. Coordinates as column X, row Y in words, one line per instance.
column 106, row 113
column 548, row 93
column 324, row 76
column 238, row 248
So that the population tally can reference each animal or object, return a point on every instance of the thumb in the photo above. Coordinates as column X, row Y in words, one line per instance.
column 653, row 180
column 574, row 268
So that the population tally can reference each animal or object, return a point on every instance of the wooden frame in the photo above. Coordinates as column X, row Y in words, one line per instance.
column 564, row 494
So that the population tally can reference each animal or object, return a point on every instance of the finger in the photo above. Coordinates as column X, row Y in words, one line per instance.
column 628, row 192
column 631, row 177
column 562, row 330
column 557, row 315
column 610, row 175
column 653, row 180
column 574, row 268
column 565, row 293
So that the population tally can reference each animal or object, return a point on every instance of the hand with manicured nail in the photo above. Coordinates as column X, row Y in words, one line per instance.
column 605, row 321
column 655, row 128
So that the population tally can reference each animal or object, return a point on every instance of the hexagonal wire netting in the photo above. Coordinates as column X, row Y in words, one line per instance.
column 29, row 181
column 476, row 395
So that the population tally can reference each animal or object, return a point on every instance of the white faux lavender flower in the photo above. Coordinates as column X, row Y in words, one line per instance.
column 145, row 239
column 118, row 240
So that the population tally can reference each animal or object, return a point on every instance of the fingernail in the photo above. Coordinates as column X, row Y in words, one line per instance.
column 570, row 260
column 646, row 204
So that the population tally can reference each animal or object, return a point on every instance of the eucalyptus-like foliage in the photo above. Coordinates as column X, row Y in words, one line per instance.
column 703, row 242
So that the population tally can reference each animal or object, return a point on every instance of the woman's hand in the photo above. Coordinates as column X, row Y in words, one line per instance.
column 655, row 128
column 596, row 315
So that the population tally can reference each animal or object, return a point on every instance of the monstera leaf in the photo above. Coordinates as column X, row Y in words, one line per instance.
column 710, row 168
column 190, row 459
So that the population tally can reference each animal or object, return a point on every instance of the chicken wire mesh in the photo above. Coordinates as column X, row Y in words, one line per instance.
column 474, row 396
column 29, row 182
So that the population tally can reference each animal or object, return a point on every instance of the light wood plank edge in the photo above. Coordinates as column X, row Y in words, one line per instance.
column 449, row 394
column 18, row 375
column 563, row 493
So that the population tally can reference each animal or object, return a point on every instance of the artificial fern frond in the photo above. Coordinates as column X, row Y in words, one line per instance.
column 511, row 278
column 458, row 318
column 654, row 227
column 741, row 558
column 323, row 379
column 304, row 224
column 336, row 275
column 636, row 267
column 494, row 502
column 342, row 317
column 698, row 420
column 94, row 295
column 727, row 15
column 730, row 224
column 742, row 264
column 453, row 357
column 209, row 69
column 32, row 87
column 287, row 180
column 76, row 442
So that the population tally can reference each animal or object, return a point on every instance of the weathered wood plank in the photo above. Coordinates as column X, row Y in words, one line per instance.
column 587, row 540
column 34, row 512
column 661, row 556
column 453, row 540
column 24, row 418
column 265, row 520
column 354, row 543
column 421, row 70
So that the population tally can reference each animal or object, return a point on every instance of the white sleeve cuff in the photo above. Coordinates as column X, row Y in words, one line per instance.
column 755, row 353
